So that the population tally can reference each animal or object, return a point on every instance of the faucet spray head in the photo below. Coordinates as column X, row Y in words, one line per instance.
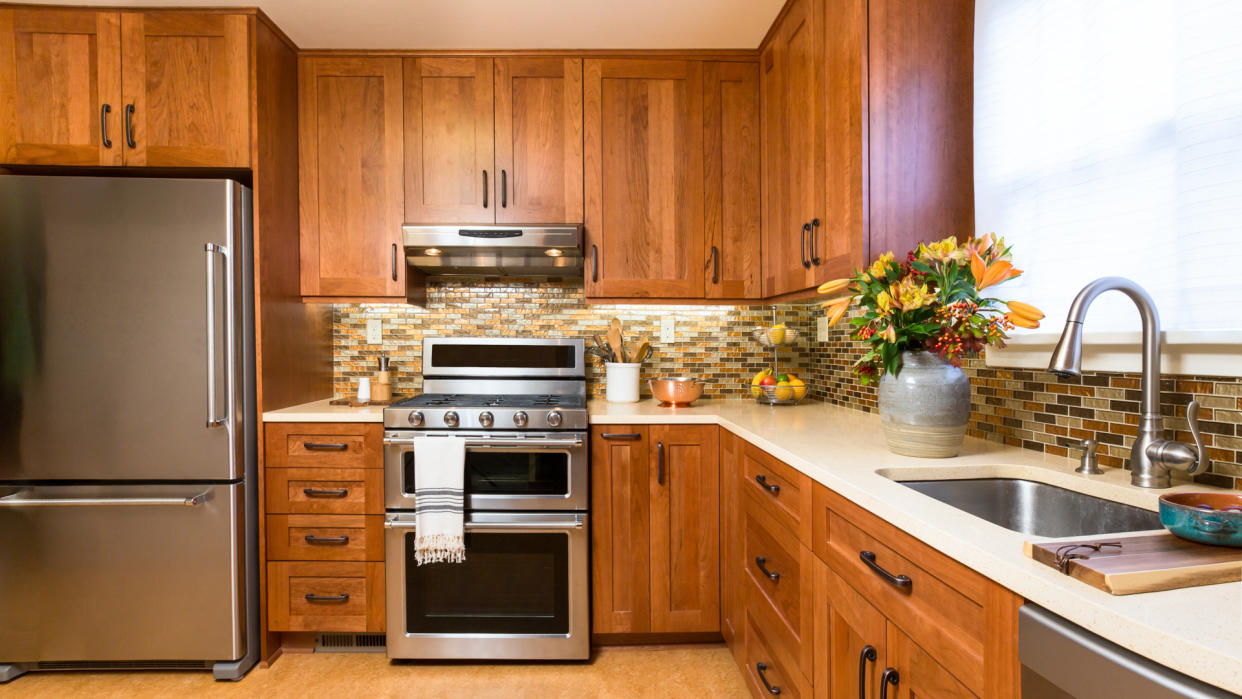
column 1066, row 359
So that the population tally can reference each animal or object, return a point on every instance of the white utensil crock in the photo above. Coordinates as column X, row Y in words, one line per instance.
column 621, row 382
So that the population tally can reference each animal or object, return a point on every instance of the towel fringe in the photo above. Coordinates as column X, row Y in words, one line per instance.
column 439, row 548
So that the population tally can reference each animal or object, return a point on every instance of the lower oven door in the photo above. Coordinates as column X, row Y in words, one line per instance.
column 521, row 593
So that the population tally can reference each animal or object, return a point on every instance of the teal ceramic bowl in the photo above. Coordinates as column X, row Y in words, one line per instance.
column 1208, row 518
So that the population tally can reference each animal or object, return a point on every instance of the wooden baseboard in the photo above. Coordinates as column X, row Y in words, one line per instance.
column 654, row 639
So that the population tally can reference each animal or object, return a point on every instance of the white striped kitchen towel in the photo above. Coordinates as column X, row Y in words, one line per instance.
column 439, row 470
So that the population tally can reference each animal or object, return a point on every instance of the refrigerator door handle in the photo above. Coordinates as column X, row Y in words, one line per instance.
column 212, row 250
column 12, row 500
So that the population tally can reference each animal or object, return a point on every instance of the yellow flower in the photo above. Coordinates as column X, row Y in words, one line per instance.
column 943, row 251
column 837, row 308
column 880, row 267
column 910, row 296
column 884, row 303
column 889, row 333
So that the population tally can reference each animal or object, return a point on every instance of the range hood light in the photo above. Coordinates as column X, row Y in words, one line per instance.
column 434, row 252
column 553, row 252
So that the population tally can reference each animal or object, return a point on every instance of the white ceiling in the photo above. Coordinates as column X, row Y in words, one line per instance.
column 506, row 24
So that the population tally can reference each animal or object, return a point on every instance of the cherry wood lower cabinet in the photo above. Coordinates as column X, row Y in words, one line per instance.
column 323, row 596
column 655, row 502
column 731, row 578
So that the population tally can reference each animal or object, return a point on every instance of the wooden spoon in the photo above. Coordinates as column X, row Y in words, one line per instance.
column 641, row 350
column 614, row 339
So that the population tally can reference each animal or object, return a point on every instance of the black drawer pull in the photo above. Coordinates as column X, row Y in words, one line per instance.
column 867, row 654
column 772, row 689
column 333, row 540
column 315, row 493
column 337, row 446
column 890, row 676
column 902, row 581
column 312, row 597
column 620, row 435
column 770, row 487
column 760, row 561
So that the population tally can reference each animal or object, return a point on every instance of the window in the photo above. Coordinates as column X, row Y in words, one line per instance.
column 1108, row 141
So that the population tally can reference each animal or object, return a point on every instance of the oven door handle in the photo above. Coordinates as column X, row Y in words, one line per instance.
column 576, row 523
column 510, row 443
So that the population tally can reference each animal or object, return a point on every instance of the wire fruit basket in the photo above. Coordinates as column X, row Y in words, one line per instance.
column 774, row 337
column 779, row 395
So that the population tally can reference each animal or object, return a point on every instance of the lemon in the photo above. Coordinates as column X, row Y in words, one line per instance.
column 783, row 391
column 798, row 387
column 776, row 334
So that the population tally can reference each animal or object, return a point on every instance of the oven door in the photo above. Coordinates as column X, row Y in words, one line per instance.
column 504, row 471
column 521, row 593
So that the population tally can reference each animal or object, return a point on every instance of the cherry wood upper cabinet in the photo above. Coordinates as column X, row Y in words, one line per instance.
column 731, row 187
column 350, row 148
column 60, row 87
column 644, row 178
column 186, row 87
column 450, row 172
column 538, row 140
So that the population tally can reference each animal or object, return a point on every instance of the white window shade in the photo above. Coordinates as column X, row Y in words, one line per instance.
column 1108, row 142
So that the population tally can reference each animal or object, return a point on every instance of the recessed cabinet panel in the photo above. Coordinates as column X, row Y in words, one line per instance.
column 731, row 189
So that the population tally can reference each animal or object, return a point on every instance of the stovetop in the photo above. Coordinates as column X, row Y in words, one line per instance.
column 470, row 400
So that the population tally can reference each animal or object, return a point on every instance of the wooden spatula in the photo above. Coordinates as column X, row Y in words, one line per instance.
column 641, row 350
column 614, row 339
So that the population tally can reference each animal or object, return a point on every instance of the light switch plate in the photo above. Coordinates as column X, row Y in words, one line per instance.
column 821, row 329
column 667, row 329
column 375, row 331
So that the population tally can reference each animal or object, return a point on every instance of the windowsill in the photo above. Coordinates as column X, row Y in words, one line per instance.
column 1184, row 352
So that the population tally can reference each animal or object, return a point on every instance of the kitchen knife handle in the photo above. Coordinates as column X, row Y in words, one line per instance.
column 104, row 111
column 660, row 463
column 485, row 189
column 814, row 226
column 316, row 493
column 312, row 597
column 129, row 126
column 504, row 189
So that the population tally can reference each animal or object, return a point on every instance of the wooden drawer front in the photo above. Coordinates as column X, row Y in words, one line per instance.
column 789, row 594
column 305, row 596
column 316, row 491
column 785, row 491
column 325, row 537
column 779, row 669
column 333, row 445
column 943, row 606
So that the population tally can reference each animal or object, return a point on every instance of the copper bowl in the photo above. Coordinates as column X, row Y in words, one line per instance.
column 676, row 390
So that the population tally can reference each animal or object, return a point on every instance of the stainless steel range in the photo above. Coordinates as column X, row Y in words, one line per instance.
column 522, row 592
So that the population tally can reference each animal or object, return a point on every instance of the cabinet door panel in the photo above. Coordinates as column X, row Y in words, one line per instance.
column 620, row 530
column 919, row 676
column 731, row 189
column 539, row 140
column 846, row 628
column 731, row 621
column 449, row 141
column 187, row 76
column 58, row 68
column 685, row 536
column 351, row 164
column 644, row 178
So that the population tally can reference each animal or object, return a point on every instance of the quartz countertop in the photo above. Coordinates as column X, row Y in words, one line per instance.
column 1197, row 630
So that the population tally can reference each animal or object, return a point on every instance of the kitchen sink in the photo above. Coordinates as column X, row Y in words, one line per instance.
column 1036, row 508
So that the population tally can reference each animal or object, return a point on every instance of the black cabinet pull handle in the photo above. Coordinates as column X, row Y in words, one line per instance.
column 620, row 435
column 715, row 263
column 802, row 245
column 337, row 493
column 814, row 257
column 335, row 446
column 762, row 668
column 312, row 597
column 660, row 463
column 890, row 676
column 770, row 487
column 902, row 581
column 485, row 189
column 104, row 111
column 867, row 654
column 594, row 263
column 129, row 126
column 333, row 540
column 394, row 262
column 760, row 561
column 504, row 189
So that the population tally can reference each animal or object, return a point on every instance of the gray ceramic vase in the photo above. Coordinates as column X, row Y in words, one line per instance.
column 925, row 408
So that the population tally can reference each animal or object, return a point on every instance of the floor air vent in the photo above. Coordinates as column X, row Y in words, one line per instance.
column 350, row 643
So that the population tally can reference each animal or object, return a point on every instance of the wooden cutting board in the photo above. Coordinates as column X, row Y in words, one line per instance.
column 1143, row 563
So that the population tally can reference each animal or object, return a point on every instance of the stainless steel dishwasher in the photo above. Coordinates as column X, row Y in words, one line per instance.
column 1061, row 659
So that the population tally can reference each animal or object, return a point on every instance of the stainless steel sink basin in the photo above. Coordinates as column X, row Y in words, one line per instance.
column 1037, row 508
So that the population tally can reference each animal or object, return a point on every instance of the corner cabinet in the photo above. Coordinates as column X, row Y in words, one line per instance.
column 350, row 178
column 655, row 534
column 155, row 89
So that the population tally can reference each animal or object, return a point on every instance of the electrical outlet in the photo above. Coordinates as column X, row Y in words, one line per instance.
column 375, row 331
column 821, row 329
column 667, row 330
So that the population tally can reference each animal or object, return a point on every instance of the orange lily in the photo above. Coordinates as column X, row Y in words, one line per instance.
column 837, row 308
column 834, row 286
column 991, row 274
column 1021, row 321
column 1025, row 310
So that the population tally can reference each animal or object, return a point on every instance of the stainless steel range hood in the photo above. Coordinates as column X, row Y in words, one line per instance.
column 511, row 251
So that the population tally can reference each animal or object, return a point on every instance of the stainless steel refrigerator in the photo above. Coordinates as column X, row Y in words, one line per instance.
column 127, row 425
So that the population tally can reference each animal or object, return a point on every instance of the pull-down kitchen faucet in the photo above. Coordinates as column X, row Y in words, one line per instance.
column 1152, row 455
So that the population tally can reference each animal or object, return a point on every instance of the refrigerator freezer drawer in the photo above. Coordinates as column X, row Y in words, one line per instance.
column 121, row 573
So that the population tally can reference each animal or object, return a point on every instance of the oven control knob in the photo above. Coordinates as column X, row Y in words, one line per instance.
column 485, row 419
column 416, row 418
column 519, row 418
column 450, row 418
column 554, row 418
